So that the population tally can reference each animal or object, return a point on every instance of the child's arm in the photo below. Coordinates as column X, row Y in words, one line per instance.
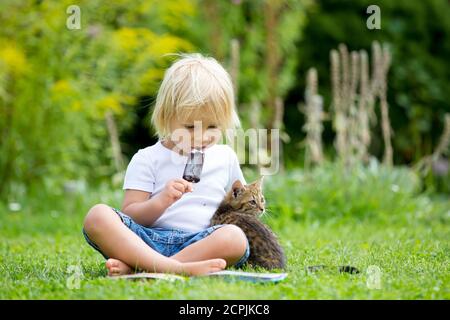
column 145, row 209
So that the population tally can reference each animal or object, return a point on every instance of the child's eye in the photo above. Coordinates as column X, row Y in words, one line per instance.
column 189, row 127
column 212, row 127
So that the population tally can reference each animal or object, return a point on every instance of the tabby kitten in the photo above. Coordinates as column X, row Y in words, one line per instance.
column 242, row 206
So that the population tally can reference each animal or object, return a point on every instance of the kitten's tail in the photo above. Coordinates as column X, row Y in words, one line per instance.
column 341, row 269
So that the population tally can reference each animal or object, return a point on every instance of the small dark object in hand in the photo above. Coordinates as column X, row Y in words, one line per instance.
column 194, row 166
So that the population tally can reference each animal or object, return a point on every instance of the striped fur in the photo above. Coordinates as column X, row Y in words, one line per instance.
column 242, row 206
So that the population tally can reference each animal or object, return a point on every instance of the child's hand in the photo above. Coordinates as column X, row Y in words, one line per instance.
column 174, row 189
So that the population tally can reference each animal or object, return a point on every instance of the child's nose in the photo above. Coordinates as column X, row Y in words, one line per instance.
column 201, row 141
column 197, row 140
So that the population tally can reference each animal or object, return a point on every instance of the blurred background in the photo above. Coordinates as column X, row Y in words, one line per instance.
column 75, row 102
column 359, row 90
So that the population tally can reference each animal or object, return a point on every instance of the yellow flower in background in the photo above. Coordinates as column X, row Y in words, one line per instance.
column 110, row 102
column 13, row 58
column 62, row 93
column 129, row 39
column 76, row 106
column 150, row 79
column 62, row 87
column 126, row 38
column 168, row 44
column 127, row 99
column 142, row 51
column 174, row 13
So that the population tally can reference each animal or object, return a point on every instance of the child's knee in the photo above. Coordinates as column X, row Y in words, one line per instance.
column 97, row 217
column 233, row 239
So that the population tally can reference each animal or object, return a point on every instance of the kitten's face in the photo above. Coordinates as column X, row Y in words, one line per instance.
column 247, row 199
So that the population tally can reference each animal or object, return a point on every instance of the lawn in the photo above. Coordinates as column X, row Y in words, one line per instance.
column 399, row 232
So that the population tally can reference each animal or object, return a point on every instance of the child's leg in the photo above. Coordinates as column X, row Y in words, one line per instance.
column 228, row 242
column 105, row 228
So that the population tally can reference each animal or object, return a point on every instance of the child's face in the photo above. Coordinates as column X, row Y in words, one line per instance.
column 196, row 131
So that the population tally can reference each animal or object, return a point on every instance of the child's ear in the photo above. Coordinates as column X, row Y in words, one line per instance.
column 237, row 188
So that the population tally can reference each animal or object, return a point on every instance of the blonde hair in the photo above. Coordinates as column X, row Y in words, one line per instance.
column 191, row 84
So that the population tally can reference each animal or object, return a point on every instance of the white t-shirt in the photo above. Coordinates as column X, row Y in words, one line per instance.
column 151, row 168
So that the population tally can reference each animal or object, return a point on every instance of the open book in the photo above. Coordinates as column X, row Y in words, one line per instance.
column 226, row 274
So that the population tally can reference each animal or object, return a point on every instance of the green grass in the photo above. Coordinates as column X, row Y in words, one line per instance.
column 403, row 233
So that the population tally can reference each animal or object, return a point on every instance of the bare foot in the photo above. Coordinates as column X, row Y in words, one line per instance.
column 116, row 268
column 203, row 267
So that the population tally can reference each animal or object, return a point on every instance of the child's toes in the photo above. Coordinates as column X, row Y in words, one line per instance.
column 112, row 263
column 218, row 263
column 114, row 271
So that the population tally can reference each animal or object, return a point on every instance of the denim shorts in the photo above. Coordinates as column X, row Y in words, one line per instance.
column 166, row 241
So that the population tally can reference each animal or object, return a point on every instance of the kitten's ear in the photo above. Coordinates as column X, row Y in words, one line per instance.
column 259, row 182
column 237, row 188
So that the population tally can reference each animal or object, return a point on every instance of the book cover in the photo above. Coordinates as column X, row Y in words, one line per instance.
column 226, row 274
column 248, row 276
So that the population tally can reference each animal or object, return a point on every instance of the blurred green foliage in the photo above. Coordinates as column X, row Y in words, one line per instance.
column 418, row 34
column 56, row 84
column 343, row 194
column 245, row 21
